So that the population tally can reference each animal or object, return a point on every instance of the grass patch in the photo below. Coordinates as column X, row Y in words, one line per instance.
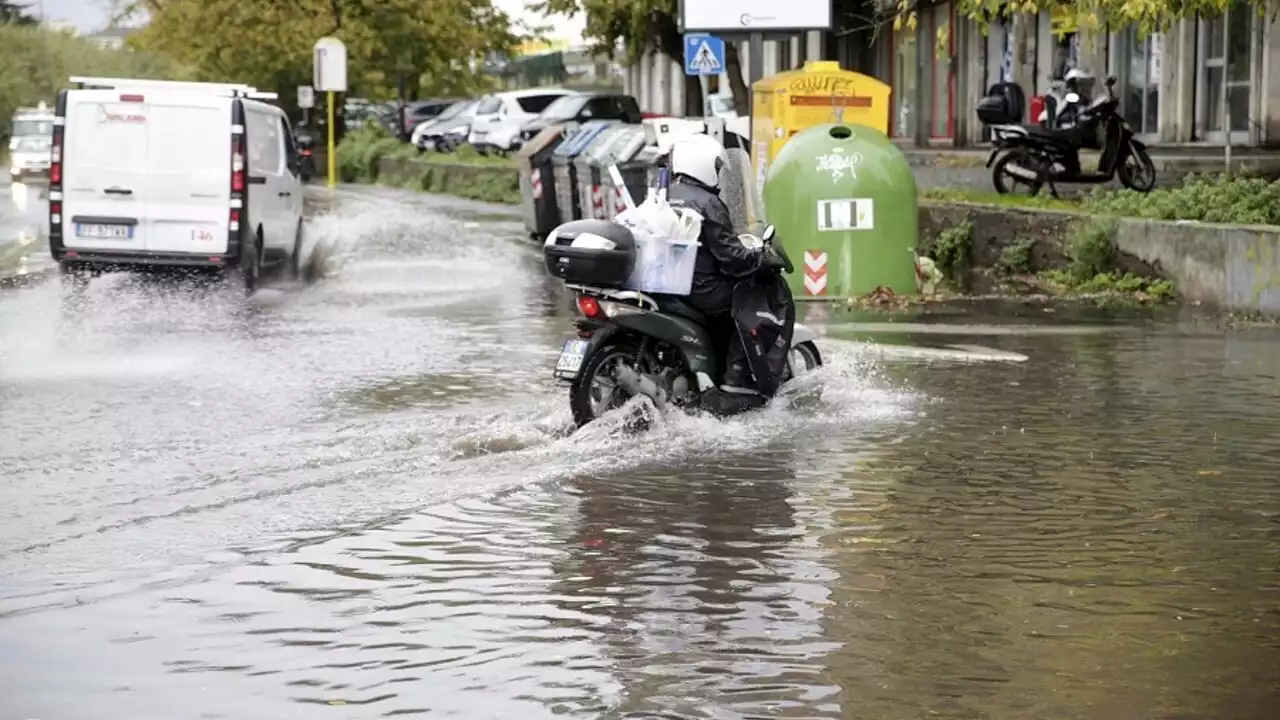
column 1092, row 270
column 991, row 197
column 465, row 174
column 952, row 253
column 467, row 155
column 489, row 184
column 1016, row 258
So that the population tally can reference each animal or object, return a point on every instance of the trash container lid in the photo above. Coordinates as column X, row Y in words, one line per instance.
column 580, row 139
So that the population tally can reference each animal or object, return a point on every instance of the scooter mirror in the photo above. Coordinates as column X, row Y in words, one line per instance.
column 1072, row 98
column 769, row 232
column 1111, row 80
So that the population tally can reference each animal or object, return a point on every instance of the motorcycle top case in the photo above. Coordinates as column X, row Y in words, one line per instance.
column 1003, row 105
column 597, row 253
column 995, row 110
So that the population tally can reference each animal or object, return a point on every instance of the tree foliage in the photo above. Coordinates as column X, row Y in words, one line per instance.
column 631, row 28
column 268, row 43
column 35, row 64
column 1146, row 15
column 13, row 13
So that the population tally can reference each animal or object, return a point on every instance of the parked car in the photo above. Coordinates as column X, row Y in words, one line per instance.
column 448, row 130
column 721, row 106
column 581, row 108
column 513, row 107
column 418, row 112
column 174, row 174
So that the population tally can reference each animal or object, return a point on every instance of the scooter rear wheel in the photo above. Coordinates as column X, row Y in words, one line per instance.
column 1005, row 182
column 596, row 389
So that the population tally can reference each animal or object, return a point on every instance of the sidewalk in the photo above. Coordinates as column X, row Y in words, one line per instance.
column 1174, row 159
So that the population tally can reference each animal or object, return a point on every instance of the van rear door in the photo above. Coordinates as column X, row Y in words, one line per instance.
column 104, row 171
column 189, row 171
column 147, row 171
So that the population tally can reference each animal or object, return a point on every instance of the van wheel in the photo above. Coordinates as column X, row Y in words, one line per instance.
column 295, row 260
column 74, row 276
column 250, row 270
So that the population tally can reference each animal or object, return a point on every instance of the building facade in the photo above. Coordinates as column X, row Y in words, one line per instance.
column 1204, row 81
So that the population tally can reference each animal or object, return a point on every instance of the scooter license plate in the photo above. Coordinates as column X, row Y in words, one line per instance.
column 571, row 357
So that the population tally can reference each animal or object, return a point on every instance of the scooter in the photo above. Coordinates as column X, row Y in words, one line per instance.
column 1035, row 156
column 633, row 344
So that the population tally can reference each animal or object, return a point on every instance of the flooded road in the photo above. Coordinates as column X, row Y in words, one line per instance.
column 359, row 497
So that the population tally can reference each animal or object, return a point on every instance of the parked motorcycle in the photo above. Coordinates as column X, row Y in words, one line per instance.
column 1034, row 156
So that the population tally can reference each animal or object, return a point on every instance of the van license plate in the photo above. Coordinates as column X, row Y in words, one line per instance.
column 571, row 357
column 105, row 232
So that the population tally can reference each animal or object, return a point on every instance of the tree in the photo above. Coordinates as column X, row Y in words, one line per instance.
column 632, row 28
column 12, row 13
column 268, row 43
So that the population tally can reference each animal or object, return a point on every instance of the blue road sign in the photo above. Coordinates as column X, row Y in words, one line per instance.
column 703, row 55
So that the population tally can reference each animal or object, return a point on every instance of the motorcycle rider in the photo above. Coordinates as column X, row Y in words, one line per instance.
column 723, row 260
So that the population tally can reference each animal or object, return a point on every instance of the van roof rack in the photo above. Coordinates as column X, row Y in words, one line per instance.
column 233, row 89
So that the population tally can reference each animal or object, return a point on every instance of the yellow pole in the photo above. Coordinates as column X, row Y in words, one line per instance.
column 333, row 165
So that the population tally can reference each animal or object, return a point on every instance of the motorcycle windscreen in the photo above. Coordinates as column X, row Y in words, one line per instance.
column 741, row 193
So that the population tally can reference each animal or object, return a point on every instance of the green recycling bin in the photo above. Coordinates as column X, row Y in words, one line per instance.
column 843, row 200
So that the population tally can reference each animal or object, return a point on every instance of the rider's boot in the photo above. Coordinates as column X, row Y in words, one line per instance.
column 736, row 394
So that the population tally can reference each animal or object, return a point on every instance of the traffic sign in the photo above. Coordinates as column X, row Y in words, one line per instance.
column 306, row 97
column 330, row 71
column 703, row 55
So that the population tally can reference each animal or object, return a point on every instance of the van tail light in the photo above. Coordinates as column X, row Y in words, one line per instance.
column 55, row 184
column 236, row 208
column 237, row 164
column 55, row 158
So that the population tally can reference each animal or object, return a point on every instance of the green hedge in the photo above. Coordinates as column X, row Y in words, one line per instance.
column 1206, row 198
column 35, row 64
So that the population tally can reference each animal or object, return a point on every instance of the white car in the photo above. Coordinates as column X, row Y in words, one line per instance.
column 498, row 118
column 446, row 131
column 172, row 174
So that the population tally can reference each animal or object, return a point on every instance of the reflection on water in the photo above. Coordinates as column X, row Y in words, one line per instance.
column 1090, row 534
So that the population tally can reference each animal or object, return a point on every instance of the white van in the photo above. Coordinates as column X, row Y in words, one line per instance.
column 30, row 142
column 508, row 108
column 153, row 173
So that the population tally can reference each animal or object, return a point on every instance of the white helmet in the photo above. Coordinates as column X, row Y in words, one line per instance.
column 698, row 156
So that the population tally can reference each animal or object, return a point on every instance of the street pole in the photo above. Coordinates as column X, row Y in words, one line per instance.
column 333, row 166
column 755, row 71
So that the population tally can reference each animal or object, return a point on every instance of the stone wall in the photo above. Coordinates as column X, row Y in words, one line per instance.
column 1233, row 267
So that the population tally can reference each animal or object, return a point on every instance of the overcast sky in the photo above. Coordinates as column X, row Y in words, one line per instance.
column 91, row 15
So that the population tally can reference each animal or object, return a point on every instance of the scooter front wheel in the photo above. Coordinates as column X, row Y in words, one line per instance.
column 1005, row 179
column 1137, row 172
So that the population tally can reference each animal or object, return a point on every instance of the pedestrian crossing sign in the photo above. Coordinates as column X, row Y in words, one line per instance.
column 703, row 55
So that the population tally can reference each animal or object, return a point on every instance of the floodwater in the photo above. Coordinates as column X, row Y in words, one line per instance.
column 359, row 497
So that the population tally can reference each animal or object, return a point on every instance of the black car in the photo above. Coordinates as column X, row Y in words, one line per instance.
column 583, row 107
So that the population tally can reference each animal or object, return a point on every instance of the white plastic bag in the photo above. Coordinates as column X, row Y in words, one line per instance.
column 666, row 245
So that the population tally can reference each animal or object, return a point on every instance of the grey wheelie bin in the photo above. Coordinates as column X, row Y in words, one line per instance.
column 564, row 172
column 632, row 156
column 590, row 196
column 537, row 184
